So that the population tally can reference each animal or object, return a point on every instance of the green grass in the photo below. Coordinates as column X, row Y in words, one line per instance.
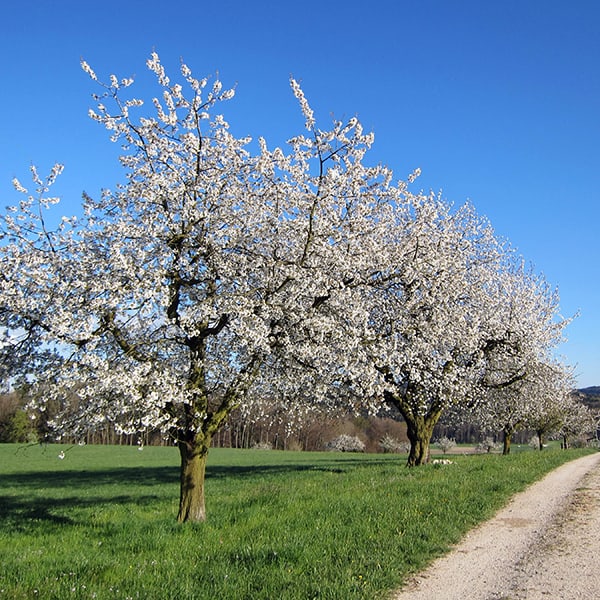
column 101, row 522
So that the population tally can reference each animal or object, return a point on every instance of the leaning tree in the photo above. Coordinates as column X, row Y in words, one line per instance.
column 209, row 268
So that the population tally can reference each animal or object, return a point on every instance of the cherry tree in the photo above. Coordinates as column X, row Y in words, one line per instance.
column 577, row 420
column 536, row 400
column 421, row 344
column 551, row 389
column 523, row 329
column 504, row 409
column 209, row 268
column 454, row 320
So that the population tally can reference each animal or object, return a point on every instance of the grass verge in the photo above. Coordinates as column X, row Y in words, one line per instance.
column 101, row 522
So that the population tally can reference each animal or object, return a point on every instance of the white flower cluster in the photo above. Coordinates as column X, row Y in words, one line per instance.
column 390, row 444
column 346, row 443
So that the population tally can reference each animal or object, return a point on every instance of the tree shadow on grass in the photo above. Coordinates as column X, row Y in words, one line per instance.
column 21, row 513
column 333, row 465
column 72, row 478
column 151, row 476
column 52, row 496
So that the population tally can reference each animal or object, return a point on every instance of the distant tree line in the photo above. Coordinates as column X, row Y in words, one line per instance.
column 273, row 429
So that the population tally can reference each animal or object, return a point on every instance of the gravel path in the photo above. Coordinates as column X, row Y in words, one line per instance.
column 545, row 544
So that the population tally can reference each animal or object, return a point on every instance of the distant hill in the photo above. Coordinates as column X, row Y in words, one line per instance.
column 590, row 396
column 591, row 391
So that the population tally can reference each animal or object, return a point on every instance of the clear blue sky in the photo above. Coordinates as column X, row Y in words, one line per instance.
column 497, row 102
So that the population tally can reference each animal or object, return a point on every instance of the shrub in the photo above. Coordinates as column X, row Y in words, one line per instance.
column 262, row 446
column 445, row 444
column 346, row 443
column 487, row 445
column 390, row 444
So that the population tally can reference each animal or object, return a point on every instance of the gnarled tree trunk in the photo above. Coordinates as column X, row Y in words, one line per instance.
column 506, row 442
column 419, row 432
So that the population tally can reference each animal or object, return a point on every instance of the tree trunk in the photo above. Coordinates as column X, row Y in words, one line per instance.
column 419, row 431
column 506, row 443
column 193, row 468
column 541, row 439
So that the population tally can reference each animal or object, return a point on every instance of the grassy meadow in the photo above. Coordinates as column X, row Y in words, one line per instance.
column 100, row 523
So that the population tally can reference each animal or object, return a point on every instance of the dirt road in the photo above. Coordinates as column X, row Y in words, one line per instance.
column 545, row 544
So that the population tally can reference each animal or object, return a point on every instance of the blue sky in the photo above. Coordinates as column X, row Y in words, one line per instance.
column 497, row 102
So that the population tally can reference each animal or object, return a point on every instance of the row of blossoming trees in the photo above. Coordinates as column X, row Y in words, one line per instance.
column 222, row 270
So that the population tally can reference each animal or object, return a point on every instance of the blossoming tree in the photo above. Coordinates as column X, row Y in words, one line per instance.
column 174, row 293
column 552, row 404
column 577, row 421
column 523, row 330
column 453, row 315
column 422, row 336
column 535, row 400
